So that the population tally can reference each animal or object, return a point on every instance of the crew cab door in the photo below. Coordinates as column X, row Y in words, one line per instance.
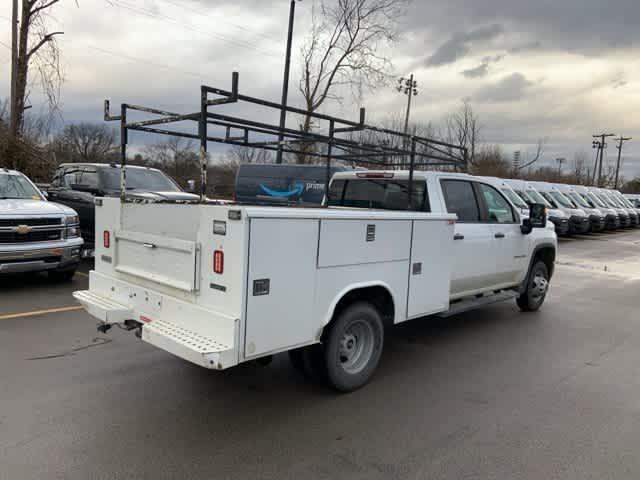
column 473, row 265
column 510, row 246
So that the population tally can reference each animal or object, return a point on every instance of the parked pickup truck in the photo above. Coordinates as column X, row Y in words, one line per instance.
column 77, row 184
column 221, row 285
column 35, row 235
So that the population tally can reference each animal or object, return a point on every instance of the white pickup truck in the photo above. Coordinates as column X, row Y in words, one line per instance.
column 221, row 285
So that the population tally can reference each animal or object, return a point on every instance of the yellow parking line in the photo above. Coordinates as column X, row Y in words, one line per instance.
column 41, row 312
column 82, row 274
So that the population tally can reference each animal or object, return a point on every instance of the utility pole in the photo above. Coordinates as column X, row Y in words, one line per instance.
column 409, row 87
column 13, row 114
column 601, row 145
column 285, row 82
column 621, row 141
column 560, row 161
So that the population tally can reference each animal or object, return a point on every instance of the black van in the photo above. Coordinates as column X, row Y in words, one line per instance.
column 276, row 184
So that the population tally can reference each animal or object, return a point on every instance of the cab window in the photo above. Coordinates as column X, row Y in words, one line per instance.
column 460, row 199
column 498, row 208
column 383, row 194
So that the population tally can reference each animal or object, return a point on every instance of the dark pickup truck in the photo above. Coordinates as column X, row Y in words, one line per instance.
column 78, row 184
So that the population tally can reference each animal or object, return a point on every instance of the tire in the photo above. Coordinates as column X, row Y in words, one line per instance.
column 309, row 362
column 62, row 275
column 352, row 347
column 537, row 287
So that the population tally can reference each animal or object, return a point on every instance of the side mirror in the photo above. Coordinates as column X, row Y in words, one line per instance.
column 191, row 186
column 537, row 218
column 45, row 194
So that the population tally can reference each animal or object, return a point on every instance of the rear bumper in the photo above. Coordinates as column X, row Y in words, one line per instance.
column 199, row 335
column 39, row 257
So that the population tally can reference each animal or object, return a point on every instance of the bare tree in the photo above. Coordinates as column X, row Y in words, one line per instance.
column 37, row 48
column 177, row 156
column 241, row 154
column 536, row 156
column 86, row 142
column 463, row 128
column 344, row 49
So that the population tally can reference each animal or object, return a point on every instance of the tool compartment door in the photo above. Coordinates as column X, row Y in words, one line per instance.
column 167, row 261
column 430, row 267
column 281, row 284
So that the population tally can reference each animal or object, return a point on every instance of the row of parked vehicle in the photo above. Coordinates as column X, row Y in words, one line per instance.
column 574, row 209
column 52, row 230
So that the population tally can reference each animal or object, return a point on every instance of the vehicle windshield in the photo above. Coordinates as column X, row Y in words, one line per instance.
column 604, row 199
column 537, row 198
column 517, row 201
column 562, row 200
column 593, row 200
column 17, row 186
column 578, row 200
column 614, row 200
column 624, row 201
column 524, row 196
column 138, row 179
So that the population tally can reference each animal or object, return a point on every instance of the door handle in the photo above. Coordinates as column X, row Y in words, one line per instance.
column 458, row 236
column 499, row 235
column 148, row 245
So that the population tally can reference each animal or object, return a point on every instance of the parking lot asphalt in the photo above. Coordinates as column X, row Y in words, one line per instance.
column 492, row 393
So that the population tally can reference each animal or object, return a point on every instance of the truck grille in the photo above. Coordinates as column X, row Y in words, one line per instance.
column 31, row 222
column 34, row 236
column 38, row 229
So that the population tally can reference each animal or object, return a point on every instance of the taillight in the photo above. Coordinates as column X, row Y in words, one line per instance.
column 106, row 239
column 218, row 261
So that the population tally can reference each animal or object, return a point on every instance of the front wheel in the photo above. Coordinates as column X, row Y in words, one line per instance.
column 353, row 346
column 536, row 291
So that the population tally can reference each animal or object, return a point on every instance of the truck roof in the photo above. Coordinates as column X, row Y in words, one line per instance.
column 398, row 174
column 104, row 165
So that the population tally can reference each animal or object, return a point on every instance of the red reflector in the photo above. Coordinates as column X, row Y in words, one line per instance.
column 106, row 237
column 218, row 261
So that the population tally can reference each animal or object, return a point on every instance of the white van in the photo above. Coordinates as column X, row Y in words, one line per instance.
column 623, row 215
column 611, row 218
column 578, row 219
column 530, row 195
column 597, row 218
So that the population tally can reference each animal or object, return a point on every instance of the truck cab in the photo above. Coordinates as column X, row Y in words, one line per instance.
column 36, row 235
column 491, row 251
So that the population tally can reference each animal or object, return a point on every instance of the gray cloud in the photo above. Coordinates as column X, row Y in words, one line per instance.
column 461, row 44
column 482, row 70
column 511, row 88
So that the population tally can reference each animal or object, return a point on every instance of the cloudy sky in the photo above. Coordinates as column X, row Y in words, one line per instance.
column 560, row 70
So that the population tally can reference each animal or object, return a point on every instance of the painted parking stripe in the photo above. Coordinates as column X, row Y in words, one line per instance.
column 35, row 313
column 82, row 274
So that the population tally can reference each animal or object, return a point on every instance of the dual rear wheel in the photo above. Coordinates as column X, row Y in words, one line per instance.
column 350, row 351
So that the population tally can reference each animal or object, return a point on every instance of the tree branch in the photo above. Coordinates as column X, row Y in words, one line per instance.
column 43, row 40
column 33, row 12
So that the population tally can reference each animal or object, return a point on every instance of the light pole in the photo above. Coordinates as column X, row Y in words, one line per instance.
column 409, row 87
column 621, row 141
column 285, row 82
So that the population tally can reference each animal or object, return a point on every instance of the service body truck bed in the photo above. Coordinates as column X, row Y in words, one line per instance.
column 221, row 285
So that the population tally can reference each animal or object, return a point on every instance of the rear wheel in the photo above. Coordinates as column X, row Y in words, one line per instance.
column 353, row 346
column 537, row 286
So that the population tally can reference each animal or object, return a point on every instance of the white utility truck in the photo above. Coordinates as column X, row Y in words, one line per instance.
column 220, row 285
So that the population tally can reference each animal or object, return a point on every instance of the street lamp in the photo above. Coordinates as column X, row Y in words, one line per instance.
column 409, row 87
column 285, row 82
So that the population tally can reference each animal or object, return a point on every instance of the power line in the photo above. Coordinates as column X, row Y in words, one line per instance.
column 171, row 20
column 235, row 25
column 147, row 62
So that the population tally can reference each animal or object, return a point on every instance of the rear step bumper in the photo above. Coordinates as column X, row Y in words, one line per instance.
column 191, row 343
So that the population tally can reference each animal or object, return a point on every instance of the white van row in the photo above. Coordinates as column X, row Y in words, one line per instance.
column 573, row 209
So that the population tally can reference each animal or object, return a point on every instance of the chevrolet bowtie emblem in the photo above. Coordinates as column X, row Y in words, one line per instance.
column 23, row 229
